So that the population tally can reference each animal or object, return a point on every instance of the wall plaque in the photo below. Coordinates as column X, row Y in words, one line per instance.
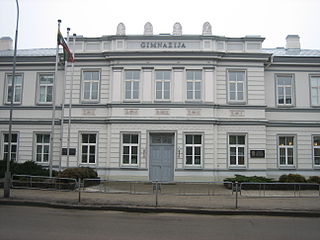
column 257, row 153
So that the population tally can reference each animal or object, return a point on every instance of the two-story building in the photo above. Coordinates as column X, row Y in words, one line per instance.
column 167, row 107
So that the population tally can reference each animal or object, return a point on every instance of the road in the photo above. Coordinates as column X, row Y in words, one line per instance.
column 20, row 222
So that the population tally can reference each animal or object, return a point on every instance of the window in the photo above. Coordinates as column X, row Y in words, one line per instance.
column 315, row 90
column 130, row 149
column 132, row 79
column 17, row 91
column 193, row 149
column 45, row 88
column 237, row 150
column 88, row 148
column 286, row 151
column 236, row 86
column 90, row 85
column 42, row 147
column 194, row 79
column 14, row 146
column 316, row 151
column 285, row 90
column 163, row 85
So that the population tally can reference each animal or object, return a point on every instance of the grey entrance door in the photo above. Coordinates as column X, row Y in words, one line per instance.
column 161, row 157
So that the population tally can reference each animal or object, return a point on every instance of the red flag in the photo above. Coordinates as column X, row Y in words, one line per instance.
column 68, row 56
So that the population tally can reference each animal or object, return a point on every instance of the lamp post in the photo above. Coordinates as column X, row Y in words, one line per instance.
column 6, row 189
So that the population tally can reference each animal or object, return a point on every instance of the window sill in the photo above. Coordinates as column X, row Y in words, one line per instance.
column 237, row 102
column 89, row 102
column 237, row 167
column 285, row 106
column 287, row 167
column 129, row 166
column 191, row 167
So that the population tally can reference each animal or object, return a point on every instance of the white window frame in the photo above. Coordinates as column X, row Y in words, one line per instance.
column 284, row 88
column 88, row 145
column 314, row 89
column 236, row 83
column 132, row 81
column 194, row 82
column 5, row 143
column 286, row 148
column 237, row 146
column 193, row 146
column 315, row 145
column 162, row 81
column 130, row 145
column 43, row 147
column 16, row 85
column 91, row 82
column 45, row 86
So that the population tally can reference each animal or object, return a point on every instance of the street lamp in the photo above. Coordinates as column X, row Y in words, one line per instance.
column 6, row 189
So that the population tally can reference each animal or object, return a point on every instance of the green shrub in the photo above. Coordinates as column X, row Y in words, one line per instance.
column 314, row 179
column 292, row 178
column 26, row 168
column 79, row 172
column 241, row 178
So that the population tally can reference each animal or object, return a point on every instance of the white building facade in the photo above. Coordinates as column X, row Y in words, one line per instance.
column 168, row 107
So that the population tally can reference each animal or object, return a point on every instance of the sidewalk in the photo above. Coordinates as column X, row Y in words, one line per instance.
column 220, row 203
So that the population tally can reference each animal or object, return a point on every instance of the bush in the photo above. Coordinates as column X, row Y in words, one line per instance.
column 26, row 168
column 314, row 179
column 292, row 178
column 241, row 178
column 79, row 172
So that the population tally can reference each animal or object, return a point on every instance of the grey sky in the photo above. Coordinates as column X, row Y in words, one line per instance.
column 272, row 19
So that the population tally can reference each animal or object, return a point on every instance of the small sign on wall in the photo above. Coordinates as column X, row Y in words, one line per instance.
column 72, row 151
column 257, row 153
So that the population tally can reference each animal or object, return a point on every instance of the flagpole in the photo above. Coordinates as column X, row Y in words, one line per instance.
column 6, row 187
column 62, row 104
column 54, row 105
column 70, row 100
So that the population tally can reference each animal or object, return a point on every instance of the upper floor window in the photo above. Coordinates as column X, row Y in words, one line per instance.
column 285, row 90
column 45, row 87
column 236, row 86
column 316, row 151
column 237, row 150
column 131, row 82
column 88, row 148
column 14, row 146
column 163, row 79
column 193, row 148
column 194, row 79
column 286, row 151
column 17, row 91
column 90, row 85
column 315, row 90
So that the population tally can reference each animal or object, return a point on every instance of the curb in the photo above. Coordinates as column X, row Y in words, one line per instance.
column 145, row 209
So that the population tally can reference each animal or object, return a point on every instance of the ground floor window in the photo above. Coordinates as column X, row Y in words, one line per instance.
column 237, row 150
column 14, row 146
column 88, row 148
column 286, row 150
column 193, row 149
column 42, row 147
column 316, row 151
column 130, row 149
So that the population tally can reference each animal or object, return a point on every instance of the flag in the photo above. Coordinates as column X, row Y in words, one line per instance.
column 68, row 56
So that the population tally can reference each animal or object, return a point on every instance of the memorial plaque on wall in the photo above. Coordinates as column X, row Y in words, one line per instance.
column 257, row 153
column 72, row 151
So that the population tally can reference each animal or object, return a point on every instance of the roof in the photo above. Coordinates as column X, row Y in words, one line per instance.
column 285, row 52
column 30, row 52
column 281, row 52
